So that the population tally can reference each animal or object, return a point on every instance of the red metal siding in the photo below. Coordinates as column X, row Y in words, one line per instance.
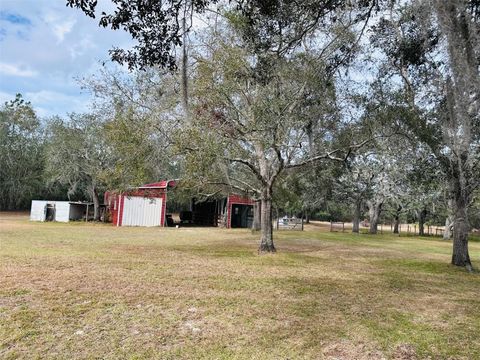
column 120, row 210
column 164, row 209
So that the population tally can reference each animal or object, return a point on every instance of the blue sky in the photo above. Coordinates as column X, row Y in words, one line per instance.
column 44, row 47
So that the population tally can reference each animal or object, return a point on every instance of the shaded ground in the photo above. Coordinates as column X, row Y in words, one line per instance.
column 96, row 291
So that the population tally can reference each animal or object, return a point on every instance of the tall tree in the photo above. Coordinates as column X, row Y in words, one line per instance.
column 355, row 187
column 21, row 154
column 77, row 156
column 459, row 23
column 285, row 26
column 434, row 45
column 140, row 112
column 426, row 181
column 258, row 121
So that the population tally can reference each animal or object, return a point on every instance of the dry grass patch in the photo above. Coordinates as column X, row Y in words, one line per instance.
column 95, row 291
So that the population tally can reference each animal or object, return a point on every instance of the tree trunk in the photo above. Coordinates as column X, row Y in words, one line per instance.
column 375, row 208
column 460, row 255
column 448, row 231
column 421, row 222
column 307, row 217
column 463, row 108
column 396, row 225
column 96, row 204
column 257, row 216
column 266, row 242
column 356, row 216
column 184, row 66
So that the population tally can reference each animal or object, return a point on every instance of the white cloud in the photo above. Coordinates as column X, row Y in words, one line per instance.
column 44, row 96
column 61, row 29
column 60, row 45
column 81, row 47
column 48, row 103
column 5, row 97
column 59, row 26
column 15, row 70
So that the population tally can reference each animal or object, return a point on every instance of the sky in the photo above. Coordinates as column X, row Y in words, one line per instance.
column 45, row 47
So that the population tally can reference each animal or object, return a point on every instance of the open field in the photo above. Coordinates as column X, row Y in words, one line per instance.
column 95, row 291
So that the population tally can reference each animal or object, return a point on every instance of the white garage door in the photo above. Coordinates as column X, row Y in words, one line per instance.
column 140, row 211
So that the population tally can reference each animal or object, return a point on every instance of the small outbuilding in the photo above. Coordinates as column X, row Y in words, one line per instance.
column 62, row 211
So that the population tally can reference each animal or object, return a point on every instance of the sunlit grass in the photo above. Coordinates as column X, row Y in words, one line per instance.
column 96, row 291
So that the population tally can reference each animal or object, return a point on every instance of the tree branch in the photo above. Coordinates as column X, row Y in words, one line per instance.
column 252, row 167
column 329, row 155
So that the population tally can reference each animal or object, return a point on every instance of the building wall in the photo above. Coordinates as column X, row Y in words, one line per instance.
column 37, row 211
column 62, row 210
column 142, row 211
column 116, row 203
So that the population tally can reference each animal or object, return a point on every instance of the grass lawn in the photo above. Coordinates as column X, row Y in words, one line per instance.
column 95, row 291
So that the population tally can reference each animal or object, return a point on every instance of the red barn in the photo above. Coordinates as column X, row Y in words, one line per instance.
column 147, row 206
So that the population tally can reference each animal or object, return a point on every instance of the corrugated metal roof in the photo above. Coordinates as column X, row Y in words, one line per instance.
column 159, row 185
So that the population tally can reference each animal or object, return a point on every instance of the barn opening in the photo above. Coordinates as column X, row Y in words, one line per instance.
column 242, row 216
column 184, row 210
column 230, row 211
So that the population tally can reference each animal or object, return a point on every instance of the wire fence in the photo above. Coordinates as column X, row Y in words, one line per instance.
column 289, row 224
column 403, row 229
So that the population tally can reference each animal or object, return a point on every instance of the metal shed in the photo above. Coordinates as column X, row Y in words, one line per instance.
column 62, row 211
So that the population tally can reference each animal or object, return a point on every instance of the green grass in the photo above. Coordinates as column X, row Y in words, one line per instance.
column 87, row 291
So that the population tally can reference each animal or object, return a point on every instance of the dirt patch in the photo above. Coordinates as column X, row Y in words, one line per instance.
column 347, row 350
column 405, row 352
column 14, row 215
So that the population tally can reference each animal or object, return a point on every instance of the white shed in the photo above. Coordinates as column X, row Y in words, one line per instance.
column 62, row 211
